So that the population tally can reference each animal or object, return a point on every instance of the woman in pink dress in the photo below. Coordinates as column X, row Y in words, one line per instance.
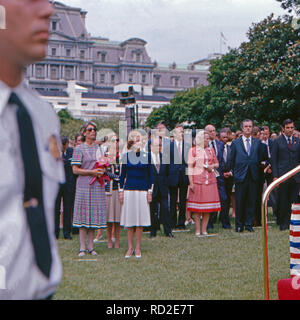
column 203, row 195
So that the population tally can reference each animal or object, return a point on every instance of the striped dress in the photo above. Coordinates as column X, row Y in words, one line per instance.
column 90, row 202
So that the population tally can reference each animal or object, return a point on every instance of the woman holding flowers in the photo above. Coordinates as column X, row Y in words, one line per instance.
column 90, row 202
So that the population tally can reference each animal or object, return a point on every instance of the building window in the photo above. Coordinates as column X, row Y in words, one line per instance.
column 194, row 82
column 130, row 77
column 39, row 72
column 81, row 76
column 68, row 52
column 82, row 54
column 54, row 73
column 157, row 81
column 53, row 51
column 54, row 25
column 138, row 57
column 102, row 78
column 103, row 57
column 69, row 73
column 175, row 81
column 112, row 78
column 143, row 78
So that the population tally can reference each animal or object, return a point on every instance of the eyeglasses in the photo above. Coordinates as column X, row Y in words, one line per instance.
column 91, row 129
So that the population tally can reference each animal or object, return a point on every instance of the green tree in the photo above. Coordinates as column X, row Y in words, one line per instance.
column 291, row 5
column 259, row 80
column 261, row 77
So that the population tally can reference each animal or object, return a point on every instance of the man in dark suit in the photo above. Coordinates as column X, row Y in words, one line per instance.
column 265, row 133
column 228, row 179
column 159, row 208
column 285, row 156
column 219, row 150
column 256, row 133
column 66, row 193
column 178, row 179
column 245, row 159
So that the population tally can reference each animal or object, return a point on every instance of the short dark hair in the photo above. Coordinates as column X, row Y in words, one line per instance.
column 246, row 120
column 64, row 140
column 78, row 135
column 287, row 121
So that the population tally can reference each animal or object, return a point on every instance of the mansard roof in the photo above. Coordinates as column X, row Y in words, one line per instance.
column 134, row 41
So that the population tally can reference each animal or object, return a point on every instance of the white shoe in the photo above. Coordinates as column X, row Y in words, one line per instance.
column 198, row 235
column 98, row 240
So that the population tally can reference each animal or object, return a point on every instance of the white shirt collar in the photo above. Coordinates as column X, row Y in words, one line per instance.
column 5, row 92
column 286, row 138
column 244, row 138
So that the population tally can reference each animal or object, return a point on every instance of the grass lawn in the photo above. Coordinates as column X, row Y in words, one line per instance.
column 227, row 266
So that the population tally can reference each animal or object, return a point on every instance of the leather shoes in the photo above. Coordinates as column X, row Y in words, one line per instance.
column 152, row 235
column 283, row 227
column 170, row 235
column 239, row 229
column 250, row 229
column 227, row 226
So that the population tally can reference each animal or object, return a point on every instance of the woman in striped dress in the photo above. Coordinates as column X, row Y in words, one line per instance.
column 203, row 195
column 90, row 202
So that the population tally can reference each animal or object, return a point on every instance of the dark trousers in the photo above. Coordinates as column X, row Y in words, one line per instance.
column 66, row 194
column 245, row 202
column 224, row 215
column 160, row 214
column 273, row 198
column 182, row 189
column 287, row 194
column 259, row 188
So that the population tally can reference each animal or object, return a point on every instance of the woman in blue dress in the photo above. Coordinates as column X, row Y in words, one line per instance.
column 135, row 193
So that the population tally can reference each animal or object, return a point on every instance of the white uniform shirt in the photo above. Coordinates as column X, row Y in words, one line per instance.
column 20, row 278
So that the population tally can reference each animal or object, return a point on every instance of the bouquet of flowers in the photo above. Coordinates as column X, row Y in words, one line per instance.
column 103, row 163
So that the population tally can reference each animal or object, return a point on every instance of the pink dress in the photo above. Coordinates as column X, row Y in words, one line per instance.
column 205, row 197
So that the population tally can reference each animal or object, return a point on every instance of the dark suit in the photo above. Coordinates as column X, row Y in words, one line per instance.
column 67, row 194
column 219, row 150
column 260, row 185
column 269, row 178
column 159, row 207
column 228, row 183
column 246, row 175
column 283, row 160
column 178, row 181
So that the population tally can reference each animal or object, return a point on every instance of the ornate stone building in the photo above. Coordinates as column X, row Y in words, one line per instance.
column 100, row 68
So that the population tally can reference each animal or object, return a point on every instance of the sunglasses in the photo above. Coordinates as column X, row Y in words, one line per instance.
column 91, row 129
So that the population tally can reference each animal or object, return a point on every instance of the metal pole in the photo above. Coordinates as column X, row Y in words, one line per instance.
column 264, row 218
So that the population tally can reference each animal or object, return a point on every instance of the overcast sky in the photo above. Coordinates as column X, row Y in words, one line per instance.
column 176, row 30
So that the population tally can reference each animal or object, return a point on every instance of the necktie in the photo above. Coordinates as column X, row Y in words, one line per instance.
column 33, row 194
column 213, row 145
column 290, row 143
column 248, row 146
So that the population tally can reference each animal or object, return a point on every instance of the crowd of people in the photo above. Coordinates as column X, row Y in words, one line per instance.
column 174, row 179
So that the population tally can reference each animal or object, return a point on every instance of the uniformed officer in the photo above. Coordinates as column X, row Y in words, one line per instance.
column 30, row 166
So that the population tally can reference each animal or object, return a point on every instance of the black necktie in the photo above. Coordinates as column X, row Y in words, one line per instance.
column 290, row 143
column 33, row 193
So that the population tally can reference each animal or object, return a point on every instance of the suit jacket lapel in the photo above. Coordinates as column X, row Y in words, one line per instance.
column 243, row 146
